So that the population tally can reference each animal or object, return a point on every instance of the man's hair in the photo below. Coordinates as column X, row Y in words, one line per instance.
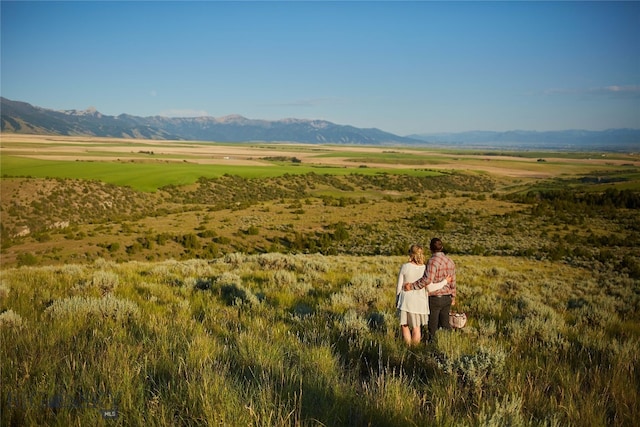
column 436, row 245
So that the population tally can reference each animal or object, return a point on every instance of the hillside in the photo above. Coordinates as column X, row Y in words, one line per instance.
column 282, row 340
column 53, row 221
column 245, row 299
column 21, row 117
column 75, row 200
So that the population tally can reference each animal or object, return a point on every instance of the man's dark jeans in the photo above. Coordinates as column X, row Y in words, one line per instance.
column 439, row 307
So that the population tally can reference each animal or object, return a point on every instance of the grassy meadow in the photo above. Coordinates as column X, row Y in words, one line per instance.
column 153, row 283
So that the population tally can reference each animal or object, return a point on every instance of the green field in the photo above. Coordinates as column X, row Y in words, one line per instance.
column 150, row 176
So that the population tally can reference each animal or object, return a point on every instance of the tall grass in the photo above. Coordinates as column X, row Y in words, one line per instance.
column 281, row 340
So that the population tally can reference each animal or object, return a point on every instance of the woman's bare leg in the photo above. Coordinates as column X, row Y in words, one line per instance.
column 416, row 335
column 406, row 334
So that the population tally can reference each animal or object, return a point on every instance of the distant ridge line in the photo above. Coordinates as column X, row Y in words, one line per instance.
column 22, row 117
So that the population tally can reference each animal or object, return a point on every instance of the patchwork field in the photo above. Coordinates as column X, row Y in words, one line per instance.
column 113, row 159
column 79, row 199
column 182, row 283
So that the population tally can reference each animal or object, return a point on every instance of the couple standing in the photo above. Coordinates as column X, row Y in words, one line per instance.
column 425, row 294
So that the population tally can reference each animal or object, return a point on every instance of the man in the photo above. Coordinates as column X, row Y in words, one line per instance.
column 438, row 268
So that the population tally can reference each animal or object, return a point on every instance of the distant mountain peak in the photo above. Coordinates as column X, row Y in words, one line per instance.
column 231, row 118
column 90, row 111
column 315, row 123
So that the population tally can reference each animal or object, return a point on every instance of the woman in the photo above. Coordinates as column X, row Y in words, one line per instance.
column 413, row 306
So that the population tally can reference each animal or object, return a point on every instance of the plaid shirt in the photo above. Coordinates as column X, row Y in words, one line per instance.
column 438, row 268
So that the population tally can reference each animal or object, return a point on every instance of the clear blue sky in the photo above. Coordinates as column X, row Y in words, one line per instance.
column 403, row 67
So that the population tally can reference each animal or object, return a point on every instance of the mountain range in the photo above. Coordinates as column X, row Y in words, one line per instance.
column 573, row 139
column 21, row 117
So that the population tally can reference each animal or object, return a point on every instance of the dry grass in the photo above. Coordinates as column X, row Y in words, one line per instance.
column 283, row 340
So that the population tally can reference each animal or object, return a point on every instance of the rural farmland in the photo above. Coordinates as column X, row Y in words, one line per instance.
column 140, row 279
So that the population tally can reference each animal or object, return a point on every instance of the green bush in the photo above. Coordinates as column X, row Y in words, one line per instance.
column 82, row 308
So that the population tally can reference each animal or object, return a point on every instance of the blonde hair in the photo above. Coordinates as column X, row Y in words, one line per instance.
column 416, row 254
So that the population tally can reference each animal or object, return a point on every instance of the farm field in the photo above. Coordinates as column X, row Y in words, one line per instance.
column 111, row 160
column 139, row 280
column 133, row 206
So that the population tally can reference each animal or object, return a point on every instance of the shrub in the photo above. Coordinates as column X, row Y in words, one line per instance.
column 237, row 294
column 27, row 259
column 234, row 259
column 282, row 278
column 228, row 279
column 106, row 281
column 11, row 319
column 72, row 270
column 203, row 284
column 4, row 290
column 252, row 230
column 480, row 370
column 507, row 412
column 365, row 290
column 340, row 302
column 276, row 261
column 353, row 327
column 314, row 265
column 80, row 308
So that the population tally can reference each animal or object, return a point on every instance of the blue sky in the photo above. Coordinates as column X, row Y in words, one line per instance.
column 403, row 67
